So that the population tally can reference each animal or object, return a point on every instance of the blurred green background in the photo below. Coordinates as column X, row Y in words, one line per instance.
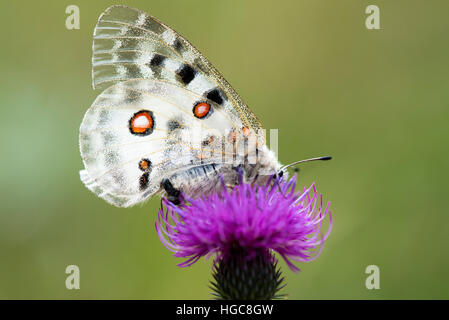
column 376, row 100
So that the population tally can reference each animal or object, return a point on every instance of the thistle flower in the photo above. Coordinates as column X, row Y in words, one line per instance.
column 242, row 228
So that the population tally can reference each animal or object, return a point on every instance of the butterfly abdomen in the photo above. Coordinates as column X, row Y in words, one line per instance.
column 198, row 180
column 209, row 178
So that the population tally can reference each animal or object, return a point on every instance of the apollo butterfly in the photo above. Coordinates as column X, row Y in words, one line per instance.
column 166, row 121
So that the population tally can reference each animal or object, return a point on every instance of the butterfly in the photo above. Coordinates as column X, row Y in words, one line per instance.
column 166, row 121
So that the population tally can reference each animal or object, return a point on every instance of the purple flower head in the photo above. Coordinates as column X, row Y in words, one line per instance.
column 254, row 218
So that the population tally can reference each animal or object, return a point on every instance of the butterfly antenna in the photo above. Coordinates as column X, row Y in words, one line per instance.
column 306, row 160
column 296, row 169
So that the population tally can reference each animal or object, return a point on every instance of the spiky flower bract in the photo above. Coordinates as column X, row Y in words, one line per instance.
column 242, row 227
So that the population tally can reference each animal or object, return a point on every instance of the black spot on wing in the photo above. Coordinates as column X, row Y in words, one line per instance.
column 177, row 45
column 157, row 60
column 156, row 65
column 172, row 125
column 186, row 74
column 216, row 96
column 143, row 181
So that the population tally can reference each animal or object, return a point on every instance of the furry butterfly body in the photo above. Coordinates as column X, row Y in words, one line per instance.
column 167, row 121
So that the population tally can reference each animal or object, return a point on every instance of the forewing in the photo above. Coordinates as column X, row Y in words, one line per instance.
column 130, row 44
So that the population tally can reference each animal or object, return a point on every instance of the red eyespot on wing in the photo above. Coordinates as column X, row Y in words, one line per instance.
column 142, row 123
column 201, row 109
column 144, row 164
column 246, row 131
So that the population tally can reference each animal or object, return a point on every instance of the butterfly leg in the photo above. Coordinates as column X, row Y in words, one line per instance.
column 173, row 195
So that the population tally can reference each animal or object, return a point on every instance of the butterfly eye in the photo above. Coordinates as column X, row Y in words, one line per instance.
column 201, row 109
column 141, row 123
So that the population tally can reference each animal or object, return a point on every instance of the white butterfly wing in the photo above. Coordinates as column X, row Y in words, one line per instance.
column 143, row 126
